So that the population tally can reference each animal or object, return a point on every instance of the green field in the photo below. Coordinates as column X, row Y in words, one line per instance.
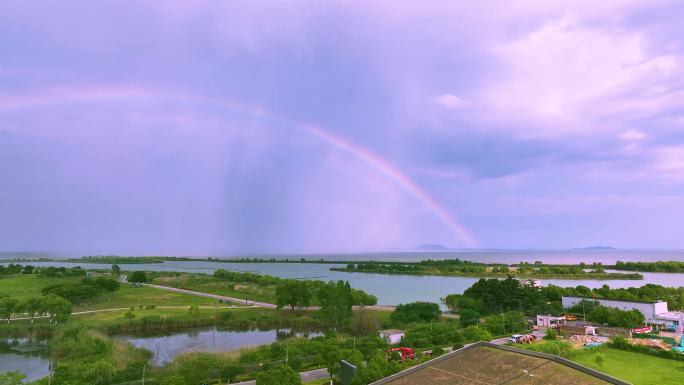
column 209, row 284
column 128, row 296
column 27, row 285
column 637, row 368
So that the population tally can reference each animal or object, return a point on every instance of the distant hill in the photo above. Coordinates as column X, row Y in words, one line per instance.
column 596, row 248
column 432, row 247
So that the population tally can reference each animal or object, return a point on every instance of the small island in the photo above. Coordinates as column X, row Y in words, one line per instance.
column 462, row 268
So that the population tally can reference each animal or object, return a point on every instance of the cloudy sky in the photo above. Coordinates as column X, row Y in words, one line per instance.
column 150, row 127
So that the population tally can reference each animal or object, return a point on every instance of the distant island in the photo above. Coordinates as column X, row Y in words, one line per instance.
column 596, row 248
column 432, row 247
column 462, row 268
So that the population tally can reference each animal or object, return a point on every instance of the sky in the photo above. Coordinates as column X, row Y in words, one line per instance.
column 229, row 127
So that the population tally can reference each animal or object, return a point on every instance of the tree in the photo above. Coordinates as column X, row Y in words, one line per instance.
column 107, row 285
column 58, row 308
column 8, row 305
column 336, row 303
column 138, row 277
column 416, row 311
column 331, row 355
column 616, row 317
column 378, row 367
column 469, row 317
column 34, row 306
column 279, row 375
column 116, row 270
column 364, row 322
column 293, row 293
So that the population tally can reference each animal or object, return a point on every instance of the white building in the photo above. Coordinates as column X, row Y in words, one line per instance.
column 545, row 320
column 655, row 312
column 392, row 336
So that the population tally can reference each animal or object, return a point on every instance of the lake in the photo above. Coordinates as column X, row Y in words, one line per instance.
column 26, row 356
column 390, row 289
column 167, row 347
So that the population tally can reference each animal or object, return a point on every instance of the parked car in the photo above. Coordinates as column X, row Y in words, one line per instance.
column 514, row 338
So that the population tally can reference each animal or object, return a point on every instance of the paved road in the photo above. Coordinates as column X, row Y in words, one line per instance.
column 311, row 375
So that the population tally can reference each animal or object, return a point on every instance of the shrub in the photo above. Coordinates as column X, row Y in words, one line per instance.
column 600, row 359
column 551, row 334
column 278, row 375
column 416, row 311
column 474, row 333
column 138, row 277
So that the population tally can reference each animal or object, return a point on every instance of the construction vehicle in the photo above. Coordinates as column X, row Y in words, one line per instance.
column 405, row 353
column 570, row 317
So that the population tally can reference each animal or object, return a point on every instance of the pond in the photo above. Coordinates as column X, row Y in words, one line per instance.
column 166, row 347
column 27, row 356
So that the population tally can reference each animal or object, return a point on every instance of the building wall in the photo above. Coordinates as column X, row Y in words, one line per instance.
column 649, row 310
column 392, row 338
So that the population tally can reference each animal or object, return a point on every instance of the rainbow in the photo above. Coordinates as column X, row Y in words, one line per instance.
column 394, row 174
column 371, row 159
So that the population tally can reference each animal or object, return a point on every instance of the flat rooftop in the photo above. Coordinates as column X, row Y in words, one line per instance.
column 487, row 364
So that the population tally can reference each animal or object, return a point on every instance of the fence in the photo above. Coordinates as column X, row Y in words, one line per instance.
column 600, row 330
column 645, row 336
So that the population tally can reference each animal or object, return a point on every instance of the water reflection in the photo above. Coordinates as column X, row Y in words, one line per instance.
column 28, row 356
column 167, row 347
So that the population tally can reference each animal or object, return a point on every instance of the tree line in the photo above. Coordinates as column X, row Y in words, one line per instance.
column 86, row 290
column 56, row 308
column 469, row 268
column 660, row 266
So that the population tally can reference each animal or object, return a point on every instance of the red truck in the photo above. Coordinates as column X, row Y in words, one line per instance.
column 406, row 353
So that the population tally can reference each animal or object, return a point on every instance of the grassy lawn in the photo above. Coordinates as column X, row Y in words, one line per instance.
column 163, row 312
column 324, row 381
column 209, row 284
column 637, row 368
column 128, row 296
column 27, row 285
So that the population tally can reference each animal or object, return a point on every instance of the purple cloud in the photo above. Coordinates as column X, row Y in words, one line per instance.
column 176, row 127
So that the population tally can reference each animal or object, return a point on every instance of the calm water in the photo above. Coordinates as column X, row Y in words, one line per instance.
column 390, row 289
column 28, row 357
column 166, row 347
